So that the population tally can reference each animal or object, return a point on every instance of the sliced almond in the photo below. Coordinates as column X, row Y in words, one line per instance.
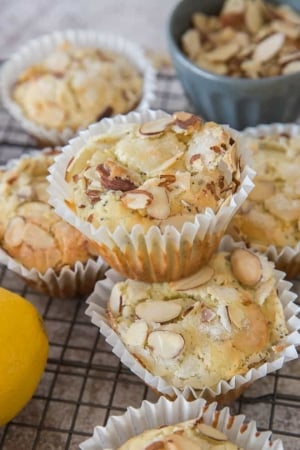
column 268, row 48
column 159, row 208
column 137, row 334
column 191, row 43
column 233, row 7
column 13, row 236
column 207, row 314
column 253, row 16
column 233, row 12
column 137, row 199
column 155, row 126
column 165, row 344
column 199, row 21
column 291, row 67
column 157, row 445
column 158, row 310
column 262, row 190
column 288, row 14
column 246, row 267
column 216, row 67
column 211, row 432
column 115, row 300
column 194, row 281
column 115, row 177
column 36, row 237
column 251, row 68
column 166, row 180
column 288, row 57
column 224, row 317
column 286, row 28
column 178, row 441
column 236, row 315
column 223, row 52
column 185, row 120
column 283, row 208
column 167, row 163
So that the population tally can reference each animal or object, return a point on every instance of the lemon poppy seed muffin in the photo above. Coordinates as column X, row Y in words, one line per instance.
column 155, row 191
column 189, row 435
column 271, row 213
column 30, row 230
column 75, row 86
column 195, row 332
column 162, row 172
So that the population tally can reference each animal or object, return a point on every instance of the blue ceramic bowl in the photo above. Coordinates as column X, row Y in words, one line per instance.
column 239, row 102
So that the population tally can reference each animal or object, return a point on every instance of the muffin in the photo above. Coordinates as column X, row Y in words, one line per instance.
column 31, row 233
column 269, row 220
column 208, row 335
column 60, row 83
column 182, row 418
column 209, row 327
column 75, row 86
column 164, row 187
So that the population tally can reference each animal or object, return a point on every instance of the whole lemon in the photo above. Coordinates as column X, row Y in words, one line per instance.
column 23, row 353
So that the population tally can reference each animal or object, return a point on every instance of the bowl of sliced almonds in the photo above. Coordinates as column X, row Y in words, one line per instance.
column 238, row 60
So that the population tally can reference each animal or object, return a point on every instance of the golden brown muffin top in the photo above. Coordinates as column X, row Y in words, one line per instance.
column 75, row 86
column 30, row 230
column 162, row 172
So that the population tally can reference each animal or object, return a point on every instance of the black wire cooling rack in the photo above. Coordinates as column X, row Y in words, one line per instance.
column 84, row 383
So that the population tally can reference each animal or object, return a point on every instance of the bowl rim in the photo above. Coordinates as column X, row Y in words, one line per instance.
column 226, row 79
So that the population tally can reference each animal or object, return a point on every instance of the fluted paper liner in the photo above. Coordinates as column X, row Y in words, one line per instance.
column 165, row 412
column 36, row 50
column 69, row 281
column 225, row 390
column 286, row 258
column 154, row 255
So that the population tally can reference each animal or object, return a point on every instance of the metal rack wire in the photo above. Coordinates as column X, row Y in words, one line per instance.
column 84, row 382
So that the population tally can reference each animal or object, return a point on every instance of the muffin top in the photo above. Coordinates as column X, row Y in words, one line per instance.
column 161, row 172
column 271, row 214
column 189, row 435
column 206, row 328
column 30, row 230
column 75, row 86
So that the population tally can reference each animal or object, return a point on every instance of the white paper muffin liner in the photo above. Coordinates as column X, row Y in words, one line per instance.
column 225, row 390
column 68, row 282
column 165, row 412
column 37, row 49
column 286, row 258
column 154, row 255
